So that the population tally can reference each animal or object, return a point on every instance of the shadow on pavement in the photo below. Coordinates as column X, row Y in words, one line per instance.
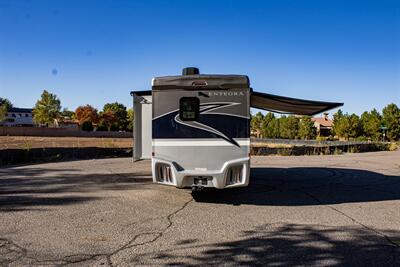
column 307, row 186
column 26, row 187
column 291, row 245
column 31, row 188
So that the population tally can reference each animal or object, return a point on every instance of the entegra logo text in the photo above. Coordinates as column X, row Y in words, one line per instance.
column 225, row 93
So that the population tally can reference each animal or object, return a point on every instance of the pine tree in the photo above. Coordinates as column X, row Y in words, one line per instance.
column 307, row 128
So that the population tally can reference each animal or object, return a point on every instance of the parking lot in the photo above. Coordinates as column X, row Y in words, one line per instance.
column 339, row 210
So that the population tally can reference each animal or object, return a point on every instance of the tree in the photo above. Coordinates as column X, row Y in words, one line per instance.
column 256, row 122
column 307, row 128
column 274, row 128
column 3, row 112
column 353, row 126
column 47, row 108
column 282, row 127
column 86, row 114
column 371, row 123
column 289, row 127
column 391, row 119
column 5, row 102
column 67, row 114
column 120, row 113
column 130, row 117
column 108, row 118
column 339, row 124
column 346, row 126
column 87, row 126
column 268, row 125
column 5, row 105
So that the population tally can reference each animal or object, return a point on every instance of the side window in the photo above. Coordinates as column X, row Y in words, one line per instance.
column 189, row 108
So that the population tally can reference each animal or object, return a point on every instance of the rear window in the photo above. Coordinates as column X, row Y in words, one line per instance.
column 189, row 108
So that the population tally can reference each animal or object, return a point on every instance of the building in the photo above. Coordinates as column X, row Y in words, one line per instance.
column 256, row 133
column 67, row 124
column 18, row 117
column 323, row 124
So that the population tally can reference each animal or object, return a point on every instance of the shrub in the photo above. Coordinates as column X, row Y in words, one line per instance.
column 353, row 149
column 87, row 126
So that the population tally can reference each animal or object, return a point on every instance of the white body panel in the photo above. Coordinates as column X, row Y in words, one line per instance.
column 142, row 127
column 214, row 158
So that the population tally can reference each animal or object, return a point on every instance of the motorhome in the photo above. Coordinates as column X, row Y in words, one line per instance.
column 196, row 127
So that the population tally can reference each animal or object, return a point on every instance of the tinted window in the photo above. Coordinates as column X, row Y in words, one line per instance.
column 189, row 108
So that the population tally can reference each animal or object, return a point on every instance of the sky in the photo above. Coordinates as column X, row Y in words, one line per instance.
column 94, row 52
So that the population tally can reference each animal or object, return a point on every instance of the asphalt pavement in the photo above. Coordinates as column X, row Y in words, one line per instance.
column 339, row 210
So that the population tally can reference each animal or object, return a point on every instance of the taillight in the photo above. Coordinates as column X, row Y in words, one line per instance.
column 163, row 173
column 234, row 175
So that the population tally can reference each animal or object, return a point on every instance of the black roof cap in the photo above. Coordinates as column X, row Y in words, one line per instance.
column 141, row 93
column 20, row 110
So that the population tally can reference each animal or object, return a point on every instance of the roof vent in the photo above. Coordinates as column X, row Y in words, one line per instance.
column 190, row 71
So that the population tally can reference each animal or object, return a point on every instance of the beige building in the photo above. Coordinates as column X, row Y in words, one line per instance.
column 323, row 124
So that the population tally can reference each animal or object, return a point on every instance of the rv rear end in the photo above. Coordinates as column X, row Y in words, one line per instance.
column 200, row 130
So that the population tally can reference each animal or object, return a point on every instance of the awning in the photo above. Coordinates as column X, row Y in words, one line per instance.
column 282, row 104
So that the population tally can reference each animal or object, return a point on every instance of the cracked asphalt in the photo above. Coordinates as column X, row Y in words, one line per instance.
column 298, row 211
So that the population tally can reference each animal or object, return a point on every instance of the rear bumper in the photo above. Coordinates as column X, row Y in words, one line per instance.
column 215, row 178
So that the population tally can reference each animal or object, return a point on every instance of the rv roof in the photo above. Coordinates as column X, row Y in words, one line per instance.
column 201, row 81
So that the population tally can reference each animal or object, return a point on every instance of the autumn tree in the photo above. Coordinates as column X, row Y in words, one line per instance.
column 307, row 128
column 391, row 119
column 120, row 114
column 47, row 109
column 86, row 114
column 108, row 118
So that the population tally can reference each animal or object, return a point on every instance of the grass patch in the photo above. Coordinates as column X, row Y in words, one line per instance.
column 108, row 143
column 26, row 145
column 393, row 146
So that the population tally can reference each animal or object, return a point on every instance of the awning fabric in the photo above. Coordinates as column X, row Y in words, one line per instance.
column 282, row 104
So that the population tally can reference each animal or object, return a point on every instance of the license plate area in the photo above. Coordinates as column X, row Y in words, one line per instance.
column 200, row 180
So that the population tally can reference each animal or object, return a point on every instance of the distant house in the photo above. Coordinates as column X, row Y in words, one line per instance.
column 256, row 133
column 18, row 117
column 67, row 124
column 323, row 124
